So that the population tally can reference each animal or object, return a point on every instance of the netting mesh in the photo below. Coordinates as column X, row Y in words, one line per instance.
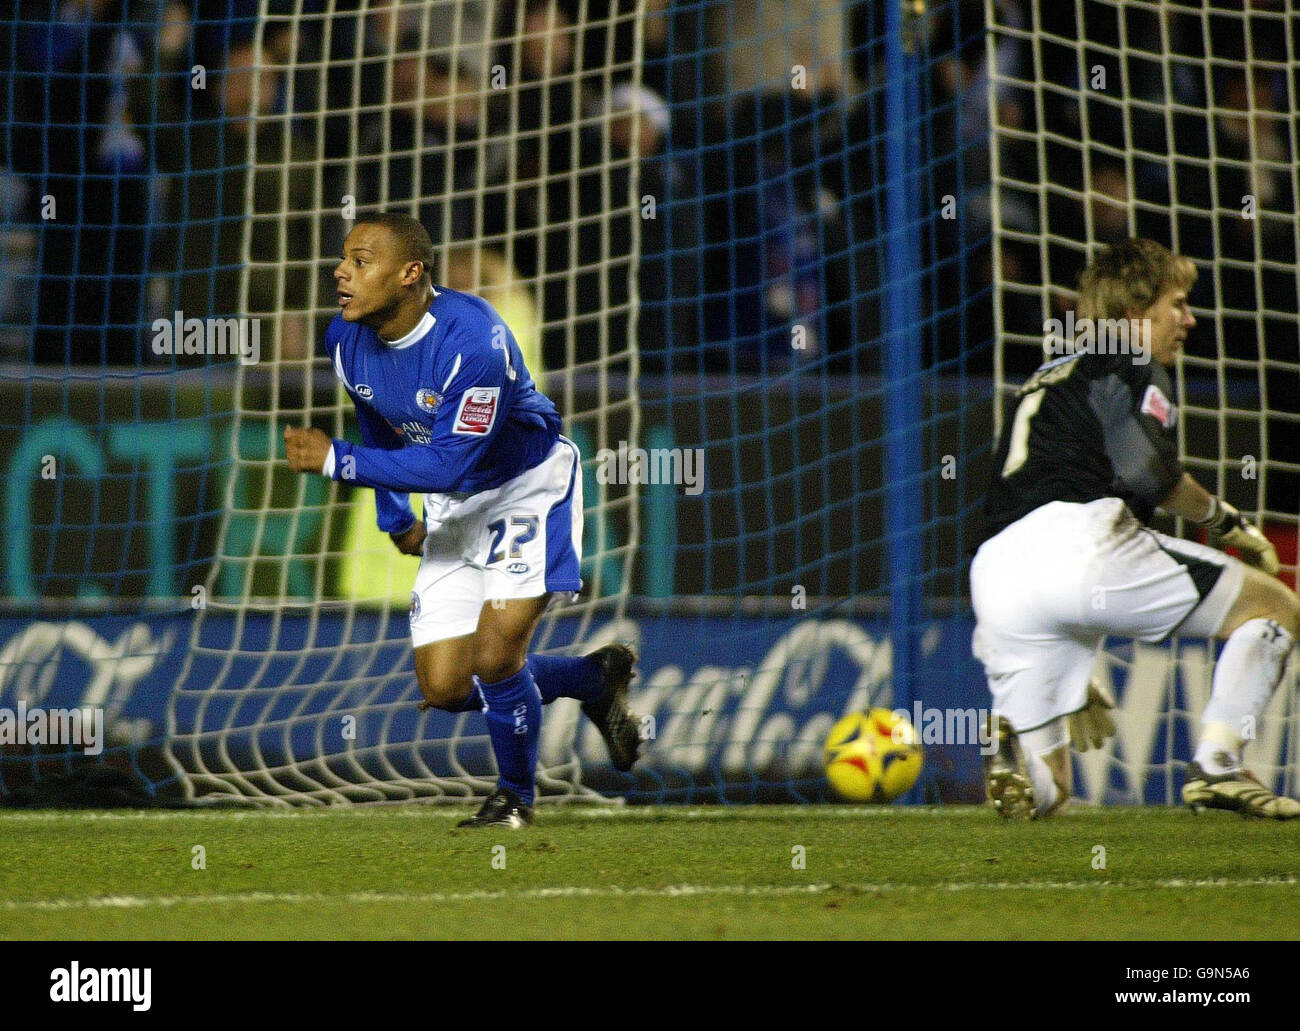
column 756, row 231
column 488, row 134
column 1174, row 121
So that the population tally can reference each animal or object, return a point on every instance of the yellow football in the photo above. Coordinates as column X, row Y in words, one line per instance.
column 872, row 756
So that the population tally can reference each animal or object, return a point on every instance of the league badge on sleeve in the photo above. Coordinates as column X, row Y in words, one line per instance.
column 1155, row 404
column 477, row 411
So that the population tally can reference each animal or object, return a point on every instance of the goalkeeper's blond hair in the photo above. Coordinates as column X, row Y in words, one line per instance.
column 1128, row 276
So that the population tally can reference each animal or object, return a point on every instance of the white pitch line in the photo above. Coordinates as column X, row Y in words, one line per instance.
column 615, row 892
column 362, row 897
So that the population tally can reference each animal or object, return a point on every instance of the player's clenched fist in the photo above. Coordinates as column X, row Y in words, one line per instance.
column 305, row 448
column 412, row 541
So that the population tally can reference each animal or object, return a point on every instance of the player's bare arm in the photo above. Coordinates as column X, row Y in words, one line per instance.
column 1189, row 500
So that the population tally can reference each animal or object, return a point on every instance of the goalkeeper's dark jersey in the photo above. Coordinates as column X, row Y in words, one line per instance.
column 1086, row 426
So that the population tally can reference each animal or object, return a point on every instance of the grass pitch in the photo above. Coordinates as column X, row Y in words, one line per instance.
column 713, row 873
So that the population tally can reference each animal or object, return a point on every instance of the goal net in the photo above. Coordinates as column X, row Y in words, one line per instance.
column 744, row 249
column 482, row 121
column 1174, row 121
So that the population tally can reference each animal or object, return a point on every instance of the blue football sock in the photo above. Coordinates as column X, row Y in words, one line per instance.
column 514, row 720
column 566, row 676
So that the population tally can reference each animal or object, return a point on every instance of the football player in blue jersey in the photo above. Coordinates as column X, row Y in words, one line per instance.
column 447, row 409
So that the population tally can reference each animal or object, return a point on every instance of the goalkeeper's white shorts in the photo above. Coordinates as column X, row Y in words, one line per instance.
column 1050, row 587
column 520, row 540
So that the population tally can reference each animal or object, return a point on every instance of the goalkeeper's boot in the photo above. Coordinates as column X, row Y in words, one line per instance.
column 609, row 712
column 1006, row 774
column 1238, row 792
column 503, row 808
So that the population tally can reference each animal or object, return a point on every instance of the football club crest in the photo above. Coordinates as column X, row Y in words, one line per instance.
column 427, row 400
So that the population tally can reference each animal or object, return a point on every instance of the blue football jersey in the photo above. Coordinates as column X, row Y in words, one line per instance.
column 449, row 408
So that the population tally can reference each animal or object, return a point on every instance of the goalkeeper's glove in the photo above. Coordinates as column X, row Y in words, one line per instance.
column 1234, row 530
column 1092, row 725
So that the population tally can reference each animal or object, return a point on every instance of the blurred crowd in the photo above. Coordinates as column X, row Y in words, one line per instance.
column 1193, row 149
column 754, row 131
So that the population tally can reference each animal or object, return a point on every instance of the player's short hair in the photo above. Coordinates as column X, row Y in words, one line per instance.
column 412, row 238
column 1128, row 276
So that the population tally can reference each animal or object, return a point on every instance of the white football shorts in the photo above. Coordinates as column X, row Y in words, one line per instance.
column 520, row 540
column 1049, row 588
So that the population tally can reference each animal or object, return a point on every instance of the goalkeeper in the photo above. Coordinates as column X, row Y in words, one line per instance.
column 1066, row 558
column 448, row 409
